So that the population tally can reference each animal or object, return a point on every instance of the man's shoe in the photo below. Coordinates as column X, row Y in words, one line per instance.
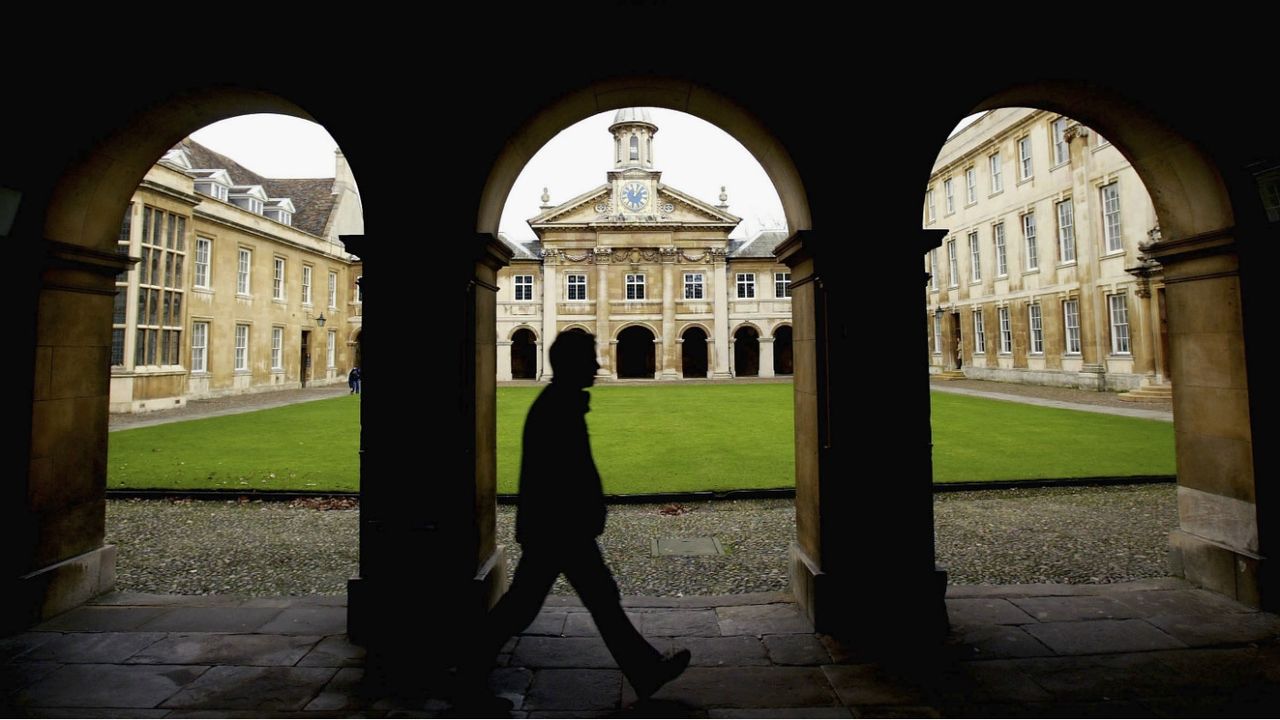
column 667, row 669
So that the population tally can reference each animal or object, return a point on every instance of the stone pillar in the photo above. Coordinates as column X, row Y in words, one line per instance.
column 538, row 355
column 711, row 354
column 1093, row 307
column 862, row 566
column 504, row 360
column 1217, row 544
column 720, row 285
column 550, row 297
column 603, row 256
column 443, row 530
column 1140, row 345
column 670, row 360
column 766, row 356
column 56, row 519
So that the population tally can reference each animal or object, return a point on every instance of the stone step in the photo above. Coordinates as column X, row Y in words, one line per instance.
column 950, row 375
column 1149, row 393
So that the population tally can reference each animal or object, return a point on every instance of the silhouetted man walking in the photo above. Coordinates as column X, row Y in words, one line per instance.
column 560, row 515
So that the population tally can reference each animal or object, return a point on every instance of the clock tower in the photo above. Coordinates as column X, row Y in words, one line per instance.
column 633, row 181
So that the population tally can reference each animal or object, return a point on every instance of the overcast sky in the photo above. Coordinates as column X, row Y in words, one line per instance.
column 693, row 155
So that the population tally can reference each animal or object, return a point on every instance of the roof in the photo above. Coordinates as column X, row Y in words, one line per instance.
column 531, row 250
column 628, row 116
column 760, row 246
column 313, row 197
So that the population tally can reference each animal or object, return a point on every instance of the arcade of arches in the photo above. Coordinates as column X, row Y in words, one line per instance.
column 863, row 561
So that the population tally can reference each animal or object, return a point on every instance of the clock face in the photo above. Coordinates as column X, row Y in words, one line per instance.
column 635, row 196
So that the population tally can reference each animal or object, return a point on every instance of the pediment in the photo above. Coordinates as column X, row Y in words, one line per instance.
column 597, row 206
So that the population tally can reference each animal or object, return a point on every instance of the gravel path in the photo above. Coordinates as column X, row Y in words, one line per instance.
column 1071, row 535
column 1070, row 395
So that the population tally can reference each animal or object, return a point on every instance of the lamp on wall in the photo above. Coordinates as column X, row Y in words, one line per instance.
column 320, row 321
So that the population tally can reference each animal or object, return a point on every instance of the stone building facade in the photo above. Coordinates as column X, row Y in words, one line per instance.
column 652, row 273
column 242, row 283
column 1041, row 277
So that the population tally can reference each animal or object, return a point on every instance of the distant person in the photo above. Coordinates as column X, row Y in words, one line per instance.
column 353, row 381
column 560, row 514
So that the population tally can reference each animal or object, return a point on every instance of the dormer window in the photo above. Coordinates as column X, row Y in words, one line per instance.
column 281, row 210
column 214, row 183
column 249, row 197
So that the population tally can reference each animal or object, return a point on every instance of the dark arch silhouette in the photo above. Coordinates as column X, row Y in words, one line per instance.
column 635, row 353
column 746, row 352
column 524, row 355
column 693, row 353
column 782, row 360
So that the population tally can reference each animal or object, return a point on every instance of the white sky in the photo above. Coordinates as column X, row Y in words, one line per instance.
column 693, row 155
column 274, row 146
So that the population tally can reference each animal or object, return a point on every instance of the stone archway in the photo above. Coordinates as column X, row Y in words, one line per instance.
column 693, row 353
column 524, row 355
column 1224, row 531
column 636, row 355
column 783, row 360
column 746, row 352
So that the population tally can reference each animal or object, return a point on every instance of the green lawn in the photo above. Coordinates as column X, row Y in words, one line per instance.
column 651, row 438
column 310, row 446
column 672, row 438
column 981, row 439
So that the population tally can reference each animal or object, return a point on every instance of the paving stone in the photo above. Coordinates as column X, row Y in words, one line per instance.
column 1234, row 705
column 17, row 646
column 805, row 712
column 1108, row 709
column 686, row 547
column 301, row 714
column 1085, row 637
column 15, row 676
column 92, row 713
column 252, row 688
column 1215, row 670
column 745, row 687
column 707, row 601
column 165, row 600
column 796, row 650
column 734, row 651
column 1001, row 641
column 344, row 691
column 1180, row 602
column 680, row 623
column 1059, row 609
column 777, row 619
column 334, row 651
column 998, row 681
column 574, row 690
column 1101, row 677
column 88, row 647
column 1012, row 591
column 549, row 622
column 95, row 618
column 308, row 621
column 109, row 686
column 897, row 711
column 968, row 612
column 224, row 649
column 512, row 684
column 541, row 652
column 1201, row 629
column 580, row 624
column 204, row 619
column 868, row 684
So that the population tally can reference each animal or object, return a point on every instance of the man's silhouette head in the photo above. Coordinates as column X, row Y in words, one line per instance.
column 573, row 359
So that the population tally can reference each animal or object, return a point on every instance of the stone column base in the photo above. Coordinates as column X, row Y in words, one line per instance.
column 1092, row 377
column 388, row 613
column 60, row 587
column 876, row 613
column 1238, row 574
